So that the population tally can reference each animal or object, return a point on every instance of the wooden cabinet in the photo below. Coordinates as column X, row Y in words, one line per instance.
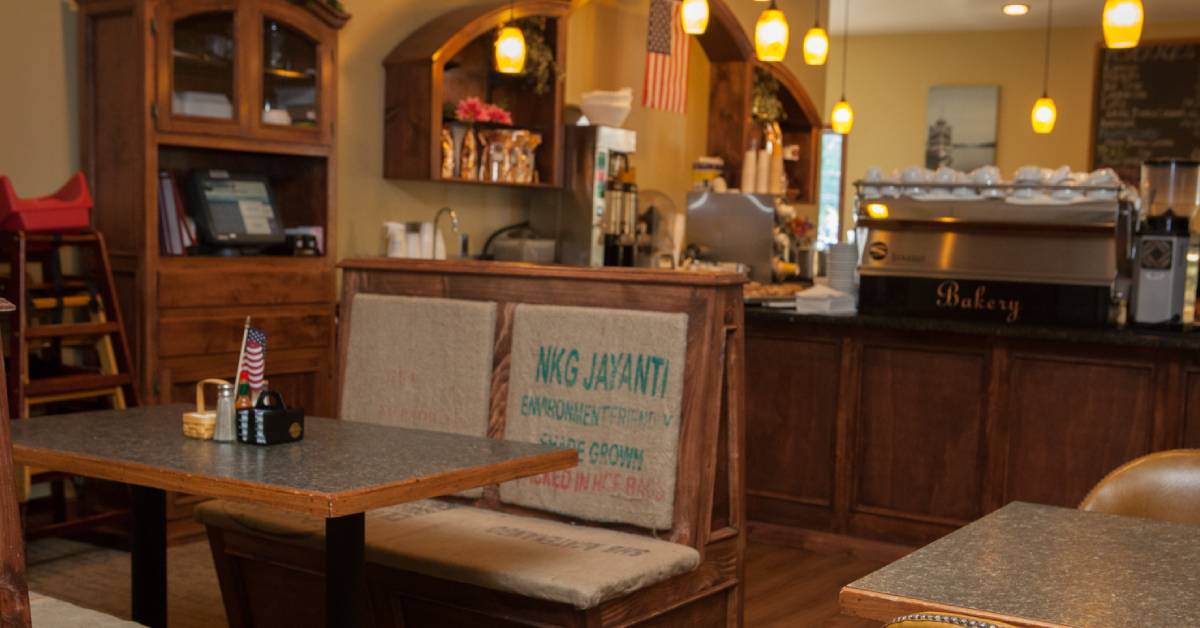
column 245, row 86
column 901, row 436
column 245, row 69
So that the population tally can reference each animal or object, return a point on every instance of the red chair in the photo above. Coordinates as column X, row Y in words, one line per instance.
column 68, row 209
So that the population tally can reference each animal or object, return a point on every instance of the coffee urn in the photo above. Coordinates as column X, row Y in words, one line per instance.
column 1170, row 190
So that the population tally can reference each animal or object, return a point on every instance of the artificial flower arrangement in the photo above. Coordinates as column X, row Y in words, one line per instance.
column 475, row 110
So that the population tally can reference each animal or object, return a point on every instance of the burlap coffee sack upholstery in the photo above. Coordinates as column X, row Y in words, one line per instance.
column 420, row 363
column 577, row 565
column 608, row 383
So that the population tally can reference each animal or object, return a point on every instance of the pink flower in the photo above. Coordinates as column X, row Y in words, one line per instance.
column 471, row 110
column 497, row 114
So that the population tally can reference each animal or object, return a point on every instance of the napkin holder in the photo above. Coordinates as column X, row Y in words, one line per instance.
column 270, row 422
column 200, row 423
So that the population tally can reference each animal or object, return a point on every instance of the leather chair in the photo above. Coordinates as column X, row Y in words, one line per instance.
column 942, row 620
column 1164, row 485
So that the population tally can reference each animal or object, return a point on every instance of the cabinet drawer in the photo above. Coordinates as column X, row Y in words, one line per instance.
column 244, row 286
column 287, row 328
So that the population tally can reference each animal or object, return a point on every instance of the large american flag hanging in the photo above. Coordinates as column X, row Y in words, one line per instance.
column 255, row 363
column 665, row 84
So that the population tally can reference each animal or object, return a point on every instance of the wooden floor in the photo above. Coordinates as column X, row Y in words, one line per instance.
column 784, row 586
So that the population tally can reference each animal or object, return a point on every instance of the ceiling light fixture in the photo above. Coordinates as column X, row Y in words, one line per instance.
column 1015, row 9
column 842, row 116
column 816, row 42
column 1123, row 23
column 510, row 47
column 694, row 15
column 1044, row 112
column 771, row 35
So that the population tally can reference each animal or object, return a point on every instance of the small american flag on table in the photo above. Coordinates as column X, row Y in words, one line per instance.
column 254, row 362
column 667, row 48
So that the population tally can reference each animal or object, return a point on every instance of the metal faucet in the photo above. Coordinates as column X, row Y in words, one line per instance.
column 462, row 239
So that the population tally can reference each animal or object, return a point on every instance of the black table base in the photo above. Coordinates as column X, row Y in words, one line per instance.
column 345, row 571
column 148, row 557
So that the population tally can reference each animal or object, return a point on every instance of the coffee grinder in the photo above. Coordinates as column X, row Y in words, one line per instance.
column 1170, row 191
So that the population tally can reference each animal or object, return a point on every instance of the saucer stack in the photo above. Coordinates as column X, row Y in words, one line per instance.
column 843, row 260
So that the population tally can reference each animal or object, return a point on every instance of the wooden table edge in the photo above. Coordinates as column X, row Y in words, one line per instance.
column 315, row 502
column 437, row 485
column 883, row 607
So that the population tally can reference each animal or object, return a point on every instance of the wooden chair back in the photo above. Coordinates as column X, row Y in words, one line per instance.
column 14, row 591
column 708, row 497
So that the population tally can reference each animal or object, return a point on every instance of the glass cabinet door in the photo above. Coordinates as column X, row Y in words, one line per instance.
column 290, row 77
column 202, row 62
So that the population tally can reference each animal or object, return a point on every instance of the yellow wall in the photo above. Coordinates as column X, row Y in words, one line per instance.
column 890, row 76
column 39, row 128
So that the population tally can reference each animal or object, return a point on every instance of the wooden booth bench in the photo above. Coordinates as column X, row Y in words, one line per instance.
column 639, row 370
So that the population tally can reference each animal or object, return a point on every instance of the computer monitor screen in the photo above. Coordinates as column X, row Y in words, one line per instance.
column 234, row 209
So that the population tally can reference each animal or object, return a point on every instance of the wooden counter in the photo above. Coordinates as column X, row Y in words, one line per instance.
column 904, row 430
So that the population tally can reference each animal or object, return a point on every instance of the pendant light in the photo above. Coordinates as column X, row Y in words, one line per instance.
column 771, row 35
column 1044, row 112
column 694, row 15
column 816, row 42
column 510, row 47
column 1123, row 23
column 842, row 117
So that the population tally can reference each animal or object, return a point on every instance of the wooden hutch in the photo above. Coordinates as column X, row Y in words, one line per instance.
column 173, row 86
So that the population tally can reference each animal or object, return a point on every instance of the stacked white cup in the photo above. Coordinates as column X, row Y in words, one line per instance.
column 843, row 261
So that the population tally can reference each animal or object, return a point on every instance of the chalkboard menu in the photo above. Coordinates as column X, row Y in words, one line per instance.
column 1147, row 105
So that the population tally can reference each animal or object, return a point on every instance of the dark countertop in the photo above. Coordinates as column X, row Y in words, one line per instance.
column 1129, row 337
column 340, row 467
column 1055, row 565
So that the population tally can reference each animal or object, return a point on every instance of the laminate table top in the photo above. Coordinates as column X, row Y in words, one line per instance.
column 339, row 468
column 1033, row 565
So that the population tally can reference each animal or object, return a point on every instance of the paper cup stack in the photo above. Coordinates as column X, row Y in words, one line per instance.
column 843, row 259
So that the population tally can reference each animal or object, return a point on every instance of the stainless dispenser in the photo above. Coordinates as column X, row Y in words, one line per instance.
column 593, row 156
column 1170, row 191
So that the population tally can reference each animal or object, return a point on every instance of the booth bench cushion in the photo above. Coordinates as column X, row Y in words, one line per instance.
column 52, row 613
column 577, row 565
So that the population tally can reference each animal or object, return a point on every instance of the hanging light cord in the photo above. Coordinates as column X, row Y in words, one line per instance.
column 1046, row 65
column 817, row 17
column 846, row 46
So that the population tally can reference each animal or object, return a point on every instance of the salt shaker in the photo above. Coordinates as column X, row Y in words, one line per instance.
column 225, row 428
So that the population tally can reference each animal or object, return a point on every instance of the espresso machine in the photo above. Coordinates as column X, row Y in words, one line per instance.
column 1170, row 192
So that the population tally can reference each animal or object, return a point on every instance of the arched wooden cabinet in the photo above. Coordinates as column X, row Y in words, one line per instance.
column 449, row 59
column 731, row 126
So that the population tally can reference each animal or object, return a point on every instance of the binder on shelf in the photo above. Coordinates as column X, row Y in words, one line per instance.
column 176, row 233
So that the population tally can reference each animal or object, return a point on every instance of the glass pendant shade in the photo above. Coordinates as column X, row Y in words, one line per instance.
column 510, row 50
column 771, row 35
column 1123, row 23
column 842, row 118
column 816, row 46
column 694, row 15
column 1044, row 115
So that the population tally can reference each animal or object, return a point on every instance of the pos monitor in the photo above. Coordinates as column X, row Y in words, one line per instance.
column 234, row 212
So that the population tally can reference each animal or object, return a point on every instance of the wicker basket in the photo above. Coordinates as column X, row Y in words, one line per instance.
column 201, row 423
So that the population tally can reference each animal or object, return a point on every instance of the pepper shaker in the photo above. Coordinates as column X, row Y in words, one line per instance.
column 225, row 432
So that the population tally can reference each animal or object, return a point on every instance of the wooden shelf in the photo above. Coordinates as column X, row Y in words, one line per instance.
column 502, row 184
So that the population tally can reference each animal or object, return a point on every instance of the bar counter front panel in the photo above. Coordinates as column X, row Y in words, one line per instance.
column 903, row 430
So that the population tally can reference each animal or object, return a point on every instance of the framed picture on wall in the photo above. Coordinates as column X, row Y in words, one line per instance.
column 962, row 126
